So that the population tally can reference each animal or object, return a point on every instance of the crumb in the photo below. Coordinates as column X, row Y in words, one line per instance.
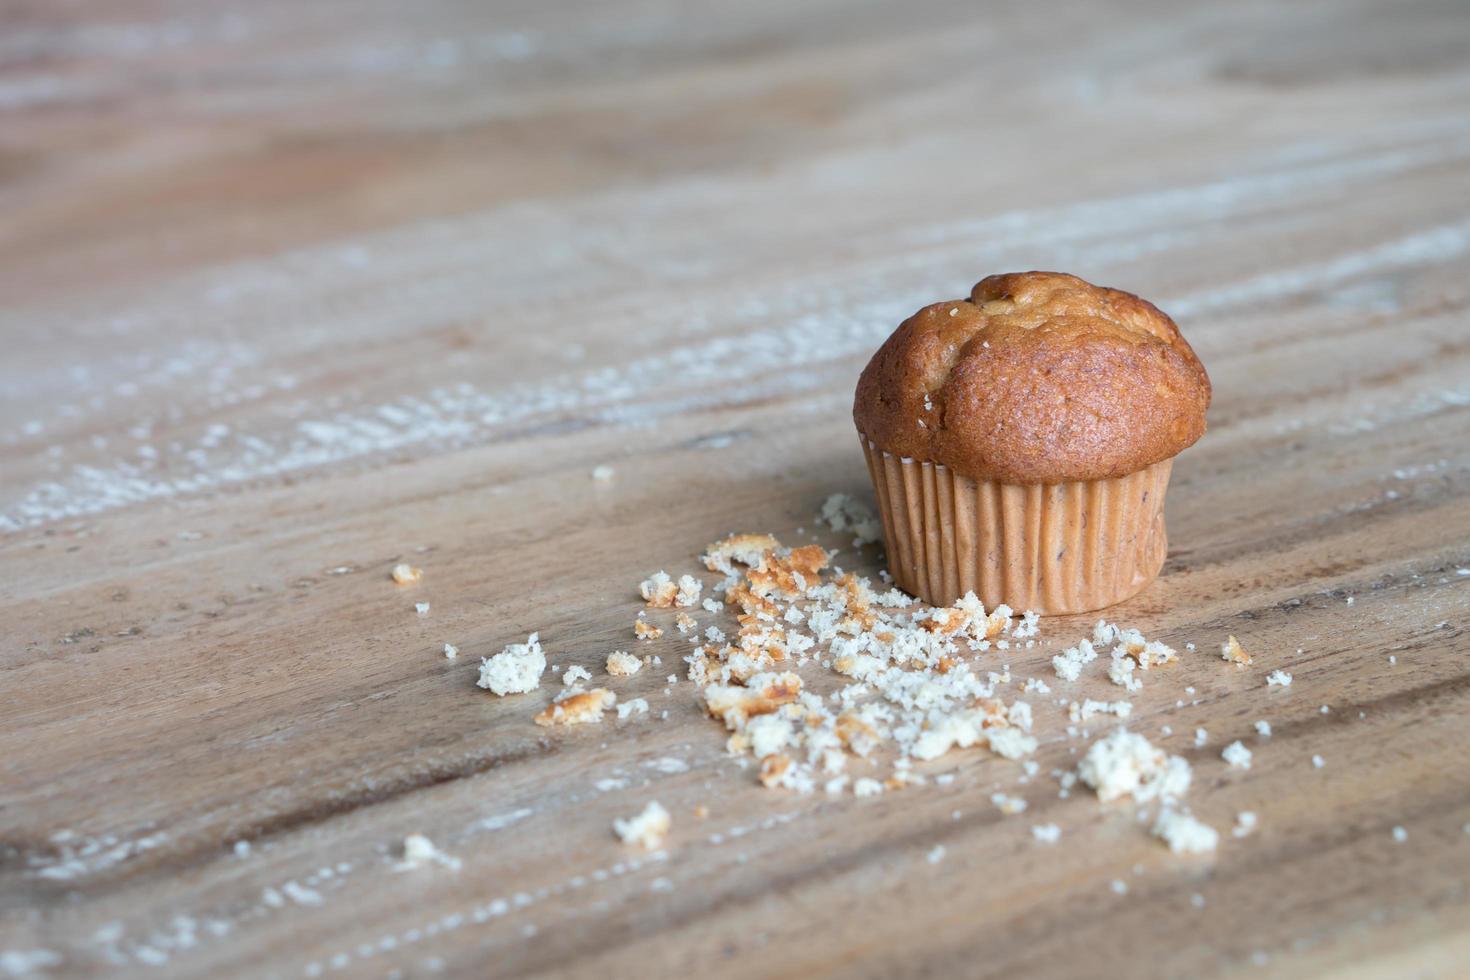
column 1184, row 833
column 687, row 594
column 866, row 787
column 451, row 651
column 1201, row 738
column 1278, row 677
column 685, row 622
column 701, row 811
column 1046, row 833
column 1318, row 762
column 422, row 608
column 647, row 829
column 644, row 630
column 577, row 707
column 1119, row 886
column 1400, row 835
column 1232, row 651
column 743, row 549
column 1120, row 672
column 602, row 473
column 841, row 513
column 659, row 591
column 936, row 854
column 761, row 694
column 1245, row 824
column 620, row 663
column 1009, row 805
column 626, row 709
column 418, row 850
column 1237, row 755
column 514, row 670
column 405, row 574
column 1263, row 728
column 1126, row 764
column 574, row 674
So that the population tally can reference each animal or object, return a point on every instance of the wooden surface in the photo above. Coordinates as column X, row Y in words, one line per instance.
column 290, row 291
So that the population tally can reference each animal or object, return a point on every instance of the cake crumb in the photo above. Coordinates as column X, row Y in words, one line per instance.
column 620, row 663
column 1400, row 835
column 1124, row 763
column 422, row 608
column 514, row 670
column 647, row 829
column 636, row 706
column 574, row 674
column 1263, row 728
column 577, row 707
column 1318, row 762
column 1245, row 824
column 406, row 574
column 418, row 851
column 659, row 591
column 687, row 594
column 451, row 651
column 644, row 630
column 1237, row 755
column 1184, row 833
column 603, row 473
column 1278, row 677
column 1232, row 651
column 1009, row 805
column 842, row 512
column 1046, row 833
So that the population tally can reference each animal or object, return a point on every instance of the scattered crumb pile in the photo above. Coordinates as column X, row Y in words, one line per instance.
column 911, row 688
column 900, row 684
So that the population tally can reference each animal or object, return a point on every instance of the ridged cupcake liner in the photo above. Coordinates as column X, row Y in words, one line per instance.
column 1054, row 548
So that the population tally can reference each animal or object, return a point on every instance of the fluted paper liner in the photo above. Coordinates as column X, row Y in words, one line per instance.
column 1055, row 548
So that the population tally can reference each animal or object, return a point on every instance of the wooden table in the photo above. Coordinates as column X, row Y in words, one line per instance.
column 292, row 292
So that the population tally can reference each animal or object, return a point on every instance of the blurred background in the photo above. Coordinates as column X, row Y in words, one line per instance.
column 242, row 241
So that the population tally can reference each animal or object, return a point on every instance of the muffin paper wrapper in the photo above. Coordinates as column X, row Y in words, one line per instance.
column 1055, row 548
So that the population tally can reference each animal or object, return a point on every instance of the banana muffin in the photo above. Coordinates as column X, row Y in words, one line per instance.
column 1020, row 442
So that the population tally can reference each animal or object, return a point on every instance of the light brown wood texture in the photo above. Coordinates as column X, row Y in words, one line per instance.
column 290, row 292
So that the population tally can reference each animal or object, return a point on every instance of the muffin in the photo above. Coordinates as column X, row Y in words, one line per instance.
column 1020, row 442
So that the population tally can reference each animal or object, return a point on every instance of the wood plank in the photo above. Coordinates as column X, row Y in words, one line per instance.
column 292, row 294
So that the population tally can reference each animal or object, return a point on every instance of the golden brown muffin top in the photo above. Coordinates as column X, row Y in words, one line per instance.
column 1039, row 377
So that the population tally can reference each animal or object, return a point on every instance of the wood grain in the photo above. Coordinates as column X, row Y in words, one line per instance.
column 292, row 292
